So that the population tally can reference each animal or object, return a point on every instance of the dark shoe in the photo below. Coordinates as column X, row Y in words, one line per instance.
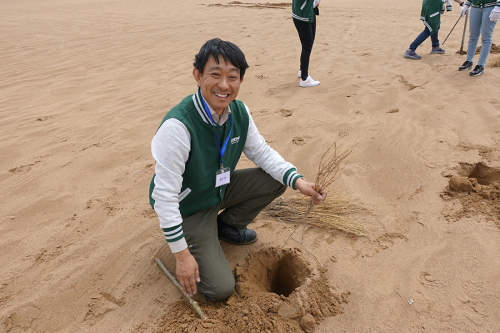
column 466, row 66
column 410, row 54
column 238, row 236
column 478, row 70
column 437, row 50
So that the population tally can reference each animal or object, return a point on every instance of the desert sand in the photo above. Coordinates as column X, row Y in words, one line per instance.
column 84, row 85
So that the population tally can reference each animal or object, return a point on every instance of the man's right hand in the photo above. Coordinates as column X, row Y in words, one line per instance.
column 187, row 271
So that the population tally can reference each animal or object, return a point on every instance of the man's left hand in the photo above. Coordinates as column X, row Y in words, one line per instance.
column 307, row 188
column 464, row 10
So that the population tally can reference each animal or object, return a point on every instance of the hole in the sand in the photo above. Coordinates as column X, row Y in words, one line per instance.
column 484, row 174
column 286, row 273
column 266, row 273
column 284, row 278
column 256, row 306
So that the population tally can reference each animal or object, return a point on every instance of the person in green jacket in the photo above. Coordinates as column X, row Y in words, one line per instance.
column 196, row 192
column 484, row 15
column 431, row 16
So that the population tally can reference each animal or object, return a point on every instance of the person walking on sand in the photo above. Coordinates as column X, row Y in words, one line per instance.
column 196, row 149
column 304, row 14
column 484, row 15
column 431, row 16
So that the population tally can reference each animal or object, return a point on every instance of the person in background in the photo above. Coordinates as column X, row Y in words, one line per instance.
column 431, row 16
column 449, row 6
column 484, row 15
column 304, row 14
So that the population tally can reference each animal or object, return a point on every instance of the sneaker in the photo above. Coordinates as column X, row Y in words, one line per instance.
column 478, row 70
column 437, row 50
column 410, row 54
column 300, row 73
column 466, row 66
column 449, row 8
column 238, row 236
column 309, row 82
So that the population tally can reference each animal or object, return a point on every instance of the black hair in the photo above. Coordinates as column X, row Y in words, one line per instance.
column 228, row 50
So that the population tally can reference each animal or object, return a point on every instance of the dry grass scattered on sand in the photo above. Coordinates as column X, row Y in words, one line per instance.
column 335, row 213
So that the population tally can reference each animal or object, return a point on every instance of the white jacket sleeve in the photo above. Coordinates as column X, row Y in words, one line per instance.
column 170, row 148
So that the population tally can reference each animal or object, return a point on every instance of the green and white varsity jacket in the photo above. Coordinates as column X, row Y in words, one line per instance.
column 187, row 158
column 431, row 14
column 482, row 3
column 303, row 10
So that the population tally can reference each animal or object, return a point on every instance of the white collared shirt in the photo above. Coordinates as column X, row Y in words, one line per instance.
column 220, row 120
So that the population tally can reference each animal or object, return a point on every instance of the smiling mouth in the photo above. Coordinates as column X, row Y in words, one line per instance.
column 221, row 95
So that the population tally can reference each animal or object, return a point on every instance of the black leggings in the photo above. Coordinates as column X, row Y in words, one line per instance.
column 307, row 32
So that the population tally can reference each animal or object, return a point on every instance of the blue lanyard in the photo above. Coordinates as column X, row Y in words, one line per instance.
column 223, row 149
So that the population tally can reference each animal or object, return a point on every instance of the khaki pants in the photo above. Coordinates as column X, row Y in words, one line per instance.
column 249, row 192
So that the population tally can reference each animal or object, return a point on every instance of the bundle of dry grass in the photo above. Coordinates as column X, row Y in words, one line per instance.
column 331, row 164
column 335, row 213
column 329, row 170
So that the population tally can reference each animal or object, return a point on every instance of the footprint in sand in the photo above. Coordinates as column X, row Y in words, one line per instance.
column 495, row 103
column 23, row 168
column 44, row 118
column 407, row 84
column 285, row 112
column 298, row 141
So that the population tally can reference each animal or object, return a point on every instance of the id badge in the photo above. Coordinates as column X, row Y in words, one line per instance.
column 222, row 177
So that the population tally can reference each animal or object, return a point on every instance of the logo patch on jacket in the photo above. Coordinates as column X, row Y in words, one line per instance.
column 235, row 140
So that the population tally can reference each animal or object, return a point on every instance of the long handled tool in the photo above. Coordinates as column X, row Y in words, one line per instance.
column 177, row 284
column 452, row 29
column 463, row 36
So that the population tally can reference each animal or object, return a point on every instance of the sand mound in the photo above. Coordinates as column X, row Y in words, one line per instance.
column 479, row 192
column 283, row 294
column 495, row 49
column 494, row 62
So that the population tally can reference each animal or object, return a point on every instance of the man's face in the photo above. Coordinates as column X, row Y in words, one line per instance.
column 219, row 83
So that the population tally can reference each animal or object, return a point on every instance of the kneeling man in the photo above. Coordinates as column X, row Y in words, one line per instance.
column 196, row 149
